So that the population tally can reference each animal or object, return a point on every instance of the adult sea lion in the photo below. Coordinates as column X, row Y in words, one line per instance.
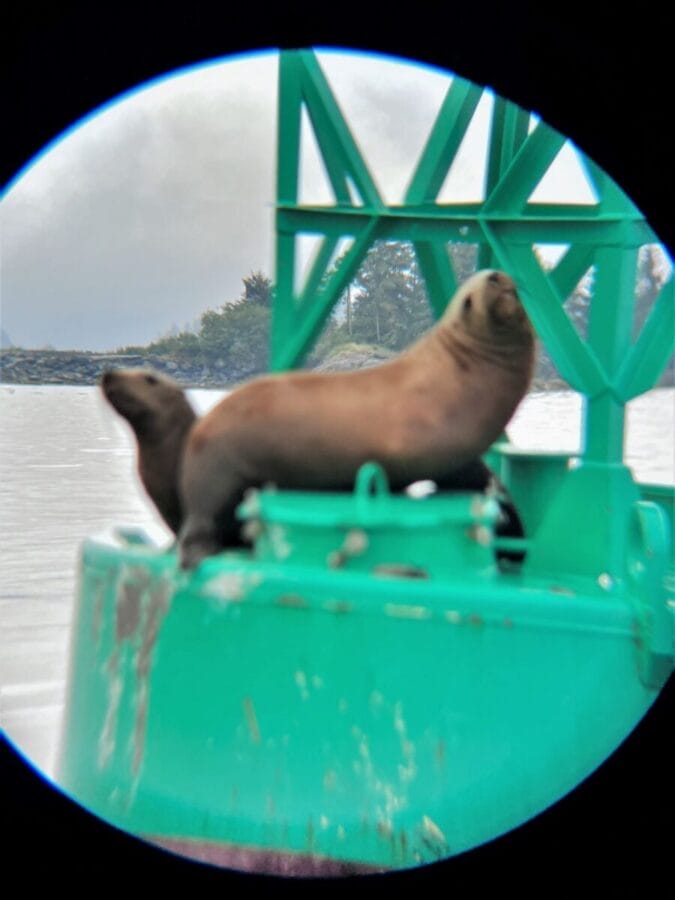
column 160, row 416
column 428, row 414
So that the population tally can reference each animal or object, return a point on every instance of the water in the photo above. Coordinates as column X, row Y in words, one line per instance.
column 67, row 472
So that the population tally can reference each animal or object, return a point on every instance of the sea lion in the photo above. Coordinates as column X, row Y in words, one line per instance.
column 427, row 414
column 160, row 416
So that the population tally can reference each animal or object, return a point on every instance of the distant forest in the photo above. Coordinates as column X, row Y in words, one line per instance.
column 385, row 306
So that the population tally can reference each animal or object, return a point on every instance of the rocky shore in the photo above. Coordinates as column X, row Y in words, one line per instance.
column 68, row 367
column 81, row 368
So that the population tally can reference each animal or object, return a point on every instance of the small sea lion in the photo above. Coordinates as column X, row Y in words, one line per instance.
column 160, row 416
column 426, row 414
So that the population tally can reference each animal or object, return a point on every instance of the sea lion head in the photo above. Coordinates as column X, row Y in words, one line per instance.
column 487, row 309
column 161, row 417
column 151, row 403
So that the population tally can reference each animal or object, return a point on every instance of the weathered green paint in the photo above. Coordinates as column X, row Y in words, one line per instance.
column 367, row 684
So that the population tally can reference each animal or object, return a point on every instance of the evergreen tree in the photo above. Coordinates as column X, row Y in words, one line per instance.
column 391, row 307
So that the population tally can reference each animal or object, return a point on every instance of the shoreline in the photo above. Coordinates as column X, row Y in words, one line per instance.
column 84, row 368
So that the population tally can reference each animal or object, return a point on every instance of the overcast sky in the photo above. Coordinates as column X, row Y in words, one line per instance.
column 155, row 207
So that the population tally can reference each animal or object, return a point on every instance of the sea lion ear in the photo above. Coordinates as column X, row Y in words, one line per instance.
column 468, row 302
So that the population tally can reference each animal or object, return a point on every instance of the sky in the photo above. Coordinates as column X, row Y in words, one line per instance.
column 154, row 208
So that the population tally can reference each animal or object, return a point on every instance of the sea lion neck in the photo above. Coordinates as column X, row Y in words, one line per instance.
column 464, row 347
column 174, row 427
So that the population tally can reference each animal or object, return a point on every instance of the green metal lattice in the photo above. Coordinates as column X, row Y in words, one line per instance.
column 608, row 368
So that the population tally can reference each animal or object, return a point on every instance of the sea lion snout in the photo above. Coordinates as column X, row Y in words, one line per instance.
column 501, row 299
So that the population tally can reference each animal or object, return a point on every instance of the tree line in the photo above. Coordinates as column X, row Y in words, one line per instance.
column 386, row 306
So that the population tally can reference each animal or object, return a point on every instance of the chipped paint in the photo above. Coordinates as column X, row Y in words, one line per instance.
column 431, row 836
column 324, row 822
column 405, row 611
column 355, row 543
column 477, row 508
column 453, row 616
column 300, row 679
column 106, row 741
column 251, row 719
column 388, row 797
column 232, row 587
column 329, row 779
column 341, row 834
column 376, row 699
column 343, row 705
column 482, row 535
column 432, row 829
column 281, row 547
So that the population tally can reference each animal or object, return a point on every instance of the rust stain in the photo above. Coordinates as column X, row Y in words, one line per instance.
column 384, row 829
column 251, row 719
column 440, row 753
column 271, row 806
column 311, row 834
column 475, row 619
column 403, row 837
column 338, row 606
column 508, row 623
column 98, row 612
column 399, row 570
column 294, row 601
column 158, row 606
column 127, row 611
column 560, row 589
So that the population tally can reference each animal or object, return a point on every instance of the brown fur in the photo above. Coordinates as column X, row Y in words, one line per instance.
column 160, row 416
column 424, row 415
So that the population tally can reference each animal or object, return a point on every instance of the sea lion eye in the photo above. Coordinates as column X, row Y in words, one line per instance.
column 467, row 303
column 151, row 379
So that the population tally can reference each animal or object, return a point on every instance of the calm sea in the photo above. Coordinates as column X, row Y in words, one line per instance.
column 67, row 472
